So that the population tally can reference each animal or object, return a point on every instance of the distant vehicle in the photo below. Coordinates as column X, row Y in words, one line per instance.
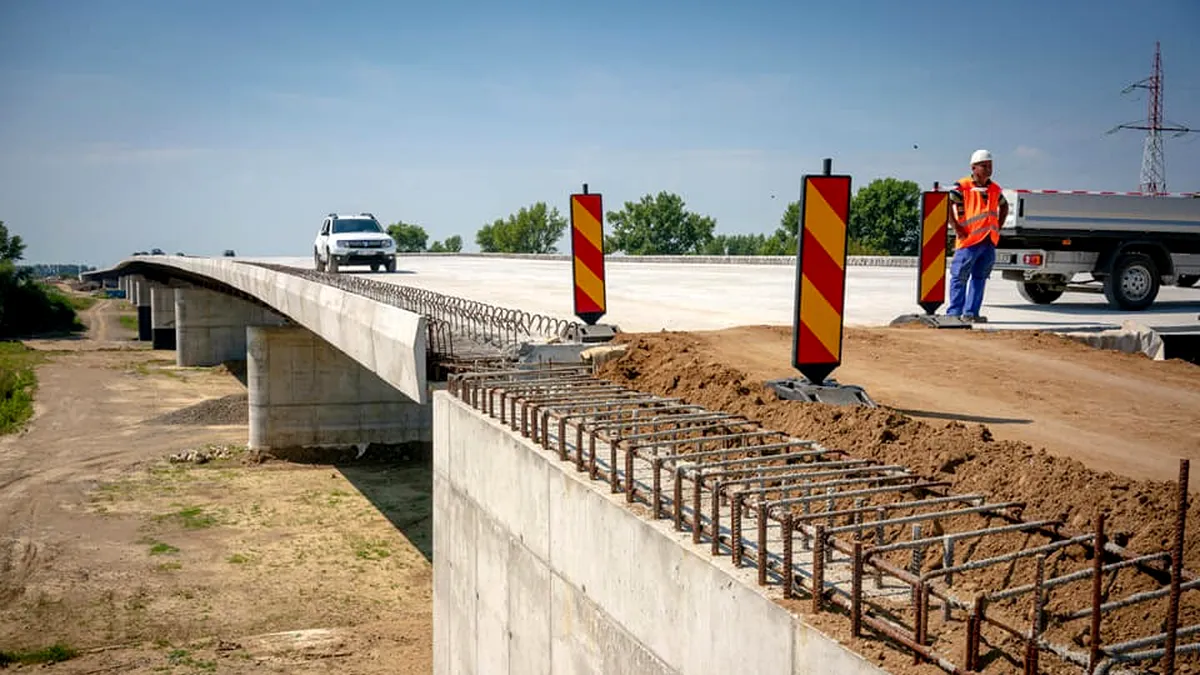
column 229, row 253
column 180, row 254
column 156, row 251
column 1130, row 244
column 353, row 240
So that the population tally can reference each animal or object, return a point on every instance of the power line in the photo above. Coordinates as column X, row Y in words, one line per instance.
column 1154, row 166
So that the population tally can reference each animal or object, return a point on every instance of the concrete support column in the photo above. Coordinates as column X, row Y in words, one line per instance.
column 305, row 393
column 210, row 327
column 141, row 300
column 162, row 316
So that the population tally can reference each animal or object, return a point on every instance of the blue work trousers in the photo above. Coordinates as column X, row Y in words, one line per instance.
column 969, row 272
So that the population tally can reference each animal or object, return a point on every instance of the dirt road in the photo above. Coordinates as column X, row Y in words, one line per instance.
column 1112, row 411
column 146, row 565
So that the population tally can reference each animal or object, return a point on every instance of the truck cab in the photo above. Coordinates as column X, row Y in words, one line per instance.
column 353, row 239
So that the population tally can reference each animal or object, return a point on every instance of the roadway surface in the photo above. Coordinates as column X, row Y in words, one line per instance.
column 645, row 297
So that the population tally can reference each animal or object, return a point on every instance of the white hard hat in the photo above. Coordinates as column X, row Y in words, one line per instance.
column 981, row 156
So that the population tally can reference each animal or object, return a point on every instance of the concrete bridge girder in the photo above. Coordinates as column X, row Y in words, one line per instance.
column 325, row 367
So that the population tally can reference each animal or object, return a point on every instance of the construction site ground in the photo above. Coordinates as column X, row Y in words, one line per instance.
column 146, row 565
column 1038, row 418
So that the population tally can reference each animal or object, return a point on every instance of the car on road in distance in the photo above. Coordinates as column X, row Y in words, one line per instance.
column 230, row 253
column 353, row 240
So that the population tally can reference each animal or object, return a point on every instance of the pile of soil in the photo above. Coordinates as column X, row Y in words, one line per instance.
column 1140, row 513
column 231, row 409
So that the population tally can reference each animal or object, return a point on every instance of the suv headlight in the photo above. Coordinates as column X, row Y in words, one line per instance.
column 389, row 243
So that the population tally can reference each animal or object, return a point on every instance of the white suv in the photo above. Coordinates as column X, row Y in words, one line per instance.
column 353, row 240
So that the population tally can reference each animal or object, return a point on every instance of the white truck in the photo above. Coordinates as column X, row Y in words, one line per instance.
column 353, row 240
column 1129, row 244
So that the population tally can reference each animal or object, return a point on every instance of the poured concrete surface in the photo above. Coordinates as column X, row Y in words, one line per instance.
column 538, row 570
column 691, row 296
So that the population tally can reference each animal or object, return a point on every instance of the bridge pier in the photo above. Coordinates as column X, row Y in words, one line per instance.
column 141, row 300
column 162, row 316
column 305, row 393
column 210, row 327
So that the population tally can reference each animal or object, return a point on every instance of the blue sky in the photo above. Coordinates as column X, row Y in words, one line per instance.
column 198, row 126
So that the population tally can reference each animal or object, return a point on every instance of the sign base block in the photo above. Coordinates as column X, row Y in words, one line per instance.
column 931, row 320
column 600, row 332
column 830, row 392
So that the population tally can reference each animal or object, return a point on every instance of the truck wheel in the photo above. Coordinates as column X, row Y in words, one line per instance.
column 1038, row 293
column 332, row 265
column 390, row 265
column 317, row 261
column 1133, row 282
column 1187, row 280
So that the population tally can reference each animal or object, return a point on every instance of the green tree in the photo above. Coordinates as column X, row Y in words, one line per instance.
column 885, row 216
column 783, row 241
column 533, row 229
column 453, row 244
column 12, row 248
column 26, row 306
column 735, row 244
column 409, row 238
column 659, row 225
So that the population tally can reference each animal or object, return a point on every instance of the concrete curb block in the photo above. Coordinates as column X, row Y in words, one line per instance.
column 383, row 338
column 851, row 261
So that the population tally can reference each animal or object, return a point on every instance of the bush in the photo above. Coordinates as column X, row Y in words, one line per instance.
column 29, row 308
column 17, row 383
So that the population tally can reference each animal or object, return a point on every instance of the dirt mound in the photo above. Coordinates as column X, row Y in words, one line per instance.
column 1140, row 512
column 231, row 409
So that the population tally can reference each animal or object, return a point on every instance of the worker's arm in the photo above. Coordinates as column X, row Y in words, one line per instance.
column 1003, row 210
column 956, row 207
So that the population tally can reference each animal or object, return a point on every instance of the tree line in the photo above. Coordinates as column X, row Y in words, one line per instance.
column 884, row 220
column 28, row 306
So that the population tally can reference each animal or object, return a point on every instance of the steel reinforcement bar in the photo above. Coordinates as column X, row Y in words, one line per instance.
column 815, row 521
column 458, row 328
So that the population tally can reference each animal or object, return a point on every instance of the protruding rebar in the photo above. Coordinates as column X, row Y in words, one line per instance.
column 1168, row 662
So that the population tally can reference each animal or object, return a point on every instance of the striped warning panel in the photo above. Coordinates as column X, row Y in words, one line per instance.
column 931, row 281
column 587, row 252
column 821, row 277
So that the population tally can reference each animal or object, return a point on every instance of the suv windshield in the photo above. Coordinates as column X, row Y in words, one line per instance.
column 343, row 225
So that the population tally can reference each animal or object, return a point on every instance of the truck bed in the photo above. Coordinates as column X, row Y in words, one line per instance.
column 1034, row 214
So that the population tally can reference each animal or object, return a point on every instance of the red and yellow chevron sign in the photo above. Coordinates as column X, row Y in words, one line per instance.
column 821, row 278
column 931, row 282
column 587, row 251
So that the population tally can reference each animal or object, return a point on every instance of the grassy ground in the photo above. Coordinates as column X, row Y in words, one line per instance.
column 17, row 384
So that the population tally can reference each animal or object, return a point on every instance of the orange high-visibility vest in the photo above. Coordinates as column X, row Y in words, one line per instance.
column 981, row 212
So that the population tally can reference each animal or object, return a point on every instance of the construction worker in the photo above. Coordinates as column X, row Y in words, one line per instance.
column 977, row 210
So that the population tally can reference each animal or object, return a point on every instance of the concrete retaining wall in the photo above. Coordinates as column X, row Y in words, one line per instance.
column 851, row 261
column 538, row 571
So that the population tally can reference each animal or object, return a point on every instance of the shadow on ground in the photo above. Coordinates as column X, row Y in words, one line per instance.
column 932, row 414
column 403, row 493
column 396, row 478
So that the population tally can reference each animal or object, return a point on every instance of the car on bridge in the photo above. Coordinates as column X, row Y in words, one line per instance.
column 353, row 240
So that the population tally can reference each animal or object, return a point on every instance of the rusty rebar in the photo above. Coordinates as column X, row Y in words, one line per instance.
column 818, row 569
column 856, row 574
column 1097, row 593
column 1168, row 661
column 787, row 529
column 740, row 464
